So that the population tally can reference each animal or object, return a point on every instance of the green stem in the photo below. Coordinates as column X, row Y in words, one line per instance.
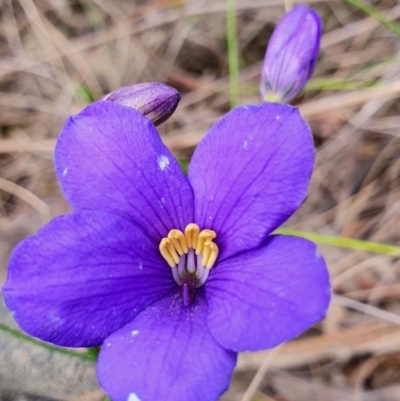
column 343, row 242
column 233, row 54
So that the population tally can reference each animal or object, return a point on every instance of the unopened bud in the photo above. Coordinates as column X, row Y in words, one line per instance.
column 154, row 100
column 291, row 54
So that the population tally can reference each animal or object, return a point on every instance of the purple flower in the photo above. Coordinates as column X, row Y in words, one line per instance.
column 291, row 54
column 173, row 275
column 154, row 100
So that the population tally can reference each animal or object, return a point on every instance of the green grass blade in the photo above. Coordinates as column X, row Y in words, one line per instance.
column 233, row 54
column 184, row 163
column 65, row 351
column 375, row 14
column 318, row 85
column 343, row 242
column 335, row 84
column 84, row 93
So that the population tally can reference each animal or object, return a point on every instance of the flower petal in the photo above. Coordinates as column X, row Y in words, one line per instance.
column 167, row 353
column 250, row 173
column 83, row 276
column 111, row 158
column 267, row 296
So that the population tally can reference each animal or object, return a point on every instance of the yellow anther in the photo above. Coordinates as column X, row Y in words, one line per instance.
column 191, row 234
column 179, row 241
column 213, row 256
column 205, row 235
column 206, row 252
column 165, row 252
column 172, row 251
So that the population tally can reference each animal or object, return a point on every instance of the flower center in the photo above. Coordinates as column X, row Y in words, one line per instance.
column 190, row 255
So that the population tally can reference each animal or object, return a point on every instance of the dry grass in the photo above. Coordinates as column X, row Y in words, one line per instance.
column 55, row 52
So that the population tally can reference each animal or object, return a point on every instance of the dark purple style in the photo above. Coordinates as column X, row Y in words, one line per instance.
column 154, row 100
column 97, row 275
column 291, row 54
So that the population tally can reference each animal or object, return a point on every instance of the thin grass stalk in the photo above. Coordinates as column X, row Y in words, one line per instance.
column 233, row 54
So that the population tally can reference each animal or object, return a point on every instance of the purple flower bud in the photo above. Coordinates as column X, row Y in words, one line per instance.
column 291, row 54
column 154, row 100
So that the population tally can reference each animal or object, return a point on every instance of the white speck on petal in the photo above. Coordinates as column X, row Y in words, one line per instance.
column 65, row 171
column 141, row 266
column 135, row 332
column 133, row 397
column 317, row 254
column 245, row 143
column 163, row 162
column 278, row 117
